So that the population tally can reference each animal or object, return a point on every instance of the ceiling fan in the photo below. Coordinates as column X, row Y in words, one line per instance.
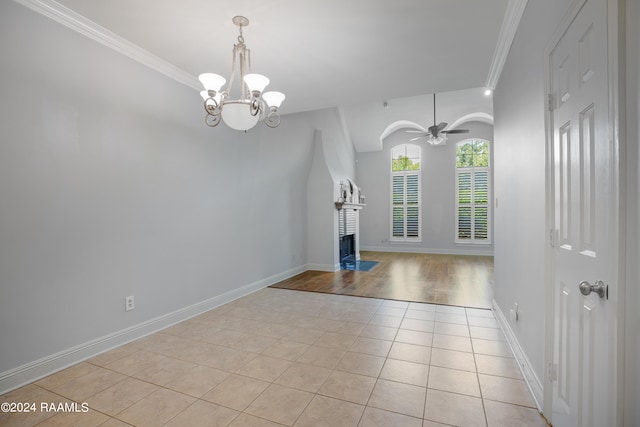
column 436, row 135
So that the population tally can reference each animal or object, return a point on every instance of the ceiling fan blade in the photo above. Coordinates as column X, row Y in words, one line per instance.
column 442, row 125
column 417, row 138
column 456, row 131
column 414, row 131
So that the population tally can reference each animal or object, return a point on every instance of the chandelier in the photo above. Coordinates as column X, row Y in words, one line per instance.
column 252, row 105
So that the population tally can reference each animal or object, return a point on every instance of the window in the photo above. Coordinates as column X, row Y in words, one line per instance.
column 473, row 188
column 405, row 193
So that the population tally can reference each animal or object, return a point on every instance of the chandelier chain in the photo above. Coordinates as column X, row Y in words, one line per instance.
column 240, row 37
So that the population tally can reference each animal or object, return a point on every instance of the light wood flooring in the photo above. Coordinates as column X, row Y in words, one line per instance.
column 457, row 280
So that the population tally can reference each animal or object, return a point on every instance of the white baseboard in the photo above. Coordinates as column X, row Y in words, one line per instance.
column 530, row 377
column 323, row 267
column 33, row 371
column 421, row 250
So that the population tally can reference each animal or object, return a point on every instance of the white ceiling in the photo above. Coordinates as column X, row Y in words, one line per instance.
column 320, row 53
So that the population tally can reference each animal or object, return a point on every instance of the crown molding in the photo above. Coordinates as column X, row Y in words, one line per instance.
column 510, row 23
column 76, row 22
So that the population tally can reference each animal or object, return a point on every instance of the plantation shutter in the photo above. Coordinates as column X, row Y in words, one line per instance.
column 473, row 204
column 413, row 208
column 481, row 205
column 464, row 205
column 398, row 206
column 406, row 205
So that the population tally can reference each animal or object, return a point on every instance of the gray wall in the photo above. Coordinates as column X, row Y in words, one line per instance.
column 438, row 195
column 520, row 188
column 519, row 150
column 111, row 185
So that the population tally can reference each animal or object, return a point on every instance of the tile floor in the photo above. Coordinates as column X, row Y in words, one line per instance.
column 282, row 357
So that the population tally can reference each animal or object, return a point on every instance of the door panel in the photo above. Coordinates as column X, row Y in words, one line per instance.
column 584, row 213
column 587, row 184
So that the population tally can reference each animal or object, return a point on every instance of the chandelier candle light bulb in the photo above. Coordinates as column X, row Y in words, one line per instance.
column 252, row 106
column 273, row 99
column 256, row 83
column 212, row 81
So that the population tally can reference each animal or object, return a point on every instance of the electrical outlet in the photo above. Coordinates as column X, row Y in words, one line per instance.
column 129, row 303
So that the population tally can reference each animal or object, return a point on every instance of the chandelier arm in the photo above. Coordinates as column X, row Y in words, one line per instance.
column 211, row 108
column 212, row 120
column 244, row 56
column 248, row 59
column 273, row 119
column 255, row 106
column 233, row 69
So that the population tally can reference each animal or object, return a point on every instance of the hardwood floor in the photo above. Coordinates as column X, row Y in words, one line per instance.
column 458, row 280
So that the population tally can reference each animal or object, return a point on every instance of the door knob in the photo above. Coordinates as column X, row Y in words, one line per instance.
column 599, row 288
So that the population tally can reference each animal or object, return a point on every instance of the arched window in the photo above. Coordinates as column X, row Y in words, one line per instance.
column 405, row 193
column 473, row 191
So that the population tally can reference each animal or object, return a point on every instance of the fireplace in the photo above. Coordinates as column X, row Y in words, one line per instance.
column 348, row 223
column 349, row 204
column 347, row 248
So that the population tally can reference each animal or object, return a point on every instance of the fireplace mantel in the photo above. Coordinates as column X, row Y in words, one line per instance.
column 343, row 205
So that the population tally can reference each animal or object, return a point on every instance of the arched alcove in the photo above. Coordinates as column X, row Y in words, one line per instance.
column 477, row 116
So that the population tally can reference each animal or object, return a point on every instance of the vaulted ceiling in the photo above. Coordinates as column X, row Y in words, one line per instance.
column 321, row 53
column 352, row 54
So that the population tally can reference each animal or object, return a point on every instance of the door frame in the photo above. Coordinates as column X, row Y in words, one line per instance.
column 615, row 32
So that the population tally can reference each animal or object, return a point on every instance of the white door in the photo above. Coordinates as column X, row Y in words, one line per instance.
column 585, row 226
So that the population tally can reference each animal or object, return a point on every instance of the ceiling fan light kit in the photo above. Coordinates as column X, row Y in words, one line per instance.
column 253, row 104
column 436, row 135
column 437, row 140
